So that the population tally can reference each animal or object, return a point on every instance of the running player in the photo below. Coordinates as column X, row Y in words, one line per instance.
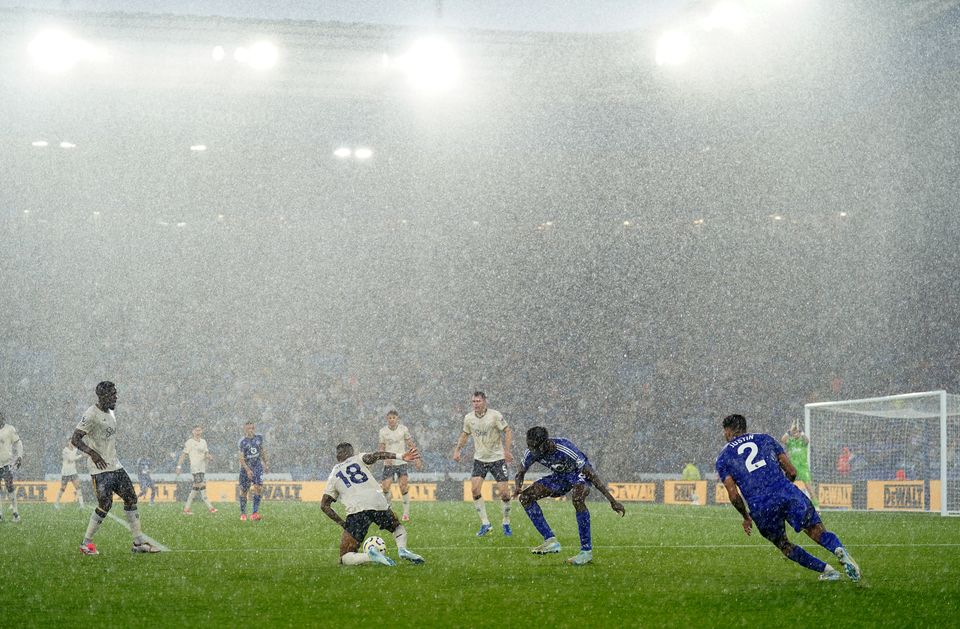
column 253, row 465
column 9, row 443
column 395, row 438
column 490, row 456
column 797, row 446
column 571, row 471
column 755, row 464
column 352, row 482
column 68, row 473
column 143, row 477
column 196, row 448
column 96, row 436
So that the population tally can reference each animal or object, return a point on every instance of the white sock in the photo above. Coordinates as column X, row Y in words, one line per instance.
column 481, row 508
column 13, row 498
column 355, row 559
column 80, row 497
column 406, row 503
column 401, row 536
column 193, row 494
column 95, row 522
column 59, row 496
column 206, row 501
column 505, row 507
column 133, row 517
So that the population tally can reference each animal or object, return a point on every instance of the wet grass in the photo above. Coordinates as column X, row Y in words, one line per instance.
column 660, row 566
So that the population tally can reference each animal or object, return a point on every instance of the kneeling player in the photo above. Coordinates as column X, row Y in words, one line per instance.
column 353, row 482
column 755, row 464
column 571, row 471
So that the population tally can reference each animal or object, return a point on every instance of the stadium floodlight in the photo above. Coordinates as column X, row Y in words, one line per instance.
column 363, row 153
column 673, row 48
column 218, row 53
column 198, row 147
column 55, row 51
column 40, row 143
column 68, row 145
column 343, row 152
column 727, row 16
column 262, row 55
column 431, row 65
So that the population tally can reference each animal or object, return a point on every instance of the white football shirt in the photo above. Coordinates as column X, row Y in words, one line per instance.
column 101, row 429
column 70, row 456
column 395, row 441
column 197, row 450
column 486, row 432
column 352, row 483
column 9, row 438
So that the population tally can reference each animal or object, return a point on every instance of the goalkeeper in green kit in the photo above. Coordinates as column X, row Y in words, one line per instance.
column 797, row 446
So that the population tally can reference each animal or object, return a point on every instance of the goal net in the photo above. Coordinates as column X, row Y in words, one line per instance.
column 896, row 453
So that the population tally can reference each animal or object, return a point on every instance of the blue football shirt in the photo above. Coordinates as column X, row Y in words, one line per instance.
column 250, row 447
column 565, row 459
column 752, row 460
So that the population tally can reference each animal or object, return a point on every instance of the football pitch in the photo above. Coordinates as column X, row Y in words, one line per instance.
column 660, row 566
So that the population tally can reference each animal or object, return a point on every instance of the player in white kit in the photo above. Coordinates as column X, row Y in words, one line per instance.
column 395, row 437
column 196, row 448
column 9, row 444
column 96, row 436
column 490, row 456
column 68, row 473
column 352, row 482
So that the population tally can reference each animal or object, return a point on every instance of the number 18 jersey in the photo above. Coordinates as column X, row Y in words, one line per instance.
column 753, row 462
column 352, row 483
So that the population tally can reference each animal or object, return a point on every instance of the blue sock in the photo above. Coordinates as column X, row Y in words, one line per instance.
column 829, row 541
column 583, row 525
column 539, row 522
column 256, row 503
column 243, row 504
column 806, row 560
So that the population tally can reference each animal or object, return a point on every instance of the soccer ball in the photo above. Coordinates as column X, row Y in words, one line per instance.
column 374, row 542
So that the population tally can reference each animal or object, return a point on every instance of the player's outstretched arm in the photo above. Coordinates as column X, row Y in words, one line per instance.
column 373, row 457
column 787, row 466
column 418, row 462
column 602, row 487
column 461, row 441
column 518, row 487
column 77, row 441
column 328, row 510
column 180, row 462
column 507, row 444
column 733, row 492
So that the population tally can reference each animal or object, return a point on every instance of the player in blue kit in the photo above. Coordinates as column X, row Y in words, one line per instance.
column 253, row 465
column 571, row 472
column 756, row 465
column 146, row 482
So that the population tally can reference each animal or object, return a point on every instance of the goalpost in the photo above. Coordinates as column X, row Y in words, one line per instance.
column 899, row 452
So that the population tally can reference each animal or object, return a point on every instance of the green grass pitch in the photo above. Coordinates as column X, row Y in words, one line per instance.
column 659, row 566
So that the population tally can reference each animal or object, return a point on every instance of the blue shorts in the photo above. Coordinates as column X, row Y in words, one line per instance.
column 245, row 480
column 560, row 484
column 793, row 507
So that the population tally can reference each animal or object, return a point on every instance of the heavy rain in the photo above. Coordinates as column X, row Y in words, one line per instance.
column 621, row 221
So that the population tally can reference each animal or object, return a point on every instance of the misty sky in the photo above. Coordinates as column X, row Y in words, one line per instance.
column 529, row 15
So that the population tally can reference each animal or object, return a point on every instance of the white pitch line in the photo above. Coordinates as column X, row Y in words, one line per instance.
column 146, row 537
column 526, row 548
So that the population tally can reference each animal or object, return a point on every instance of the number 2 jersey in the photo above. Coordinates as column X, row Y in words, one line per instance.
column 753, row 461
column 352, row 483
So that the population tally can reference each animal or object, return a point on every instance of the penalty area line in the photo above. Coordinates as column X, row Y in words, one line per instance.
column 333, row 549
